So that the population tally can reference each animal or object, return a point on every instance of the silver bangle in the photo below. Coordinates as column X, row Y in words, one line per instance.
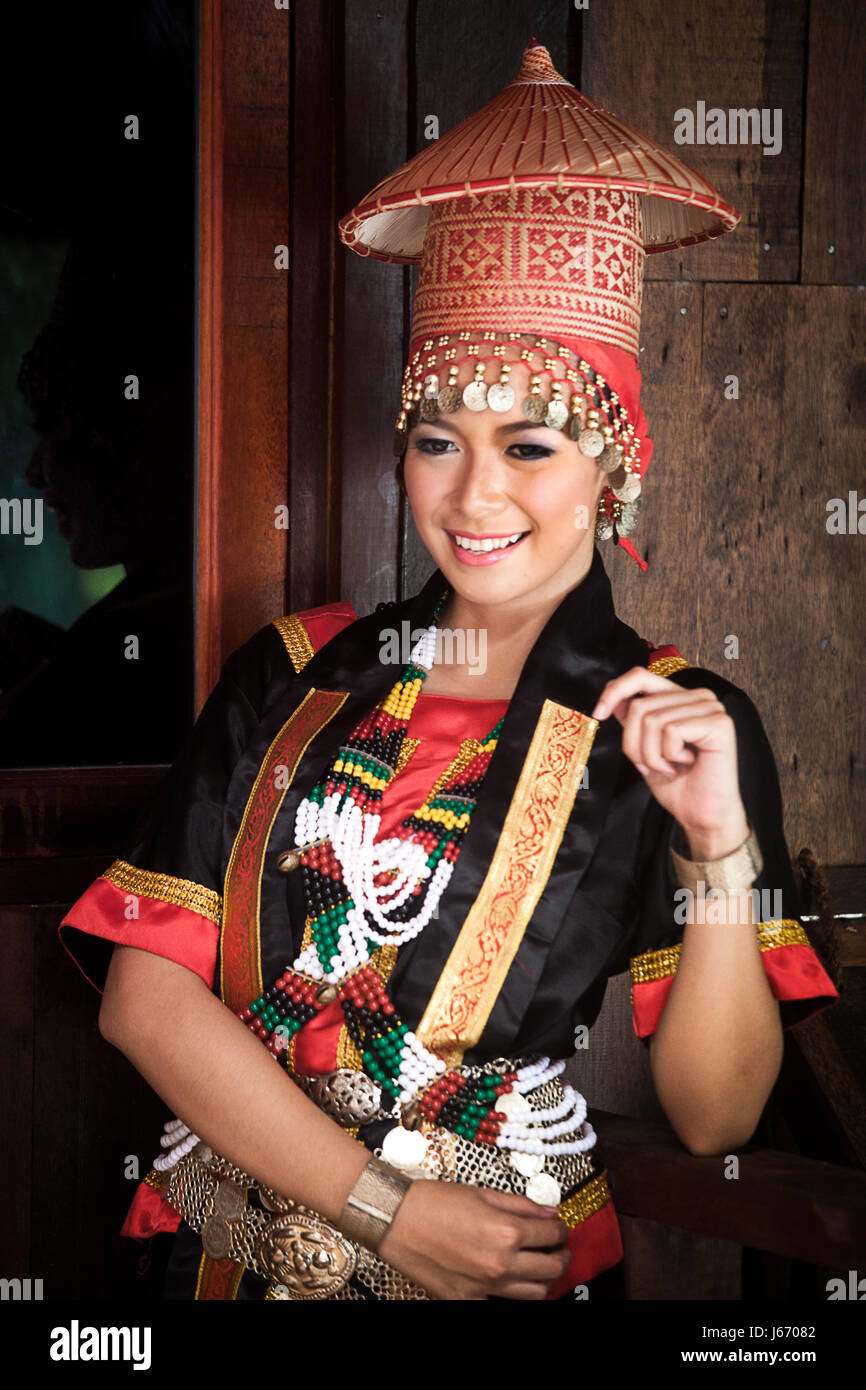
column 735, row 873
column 371, row 1204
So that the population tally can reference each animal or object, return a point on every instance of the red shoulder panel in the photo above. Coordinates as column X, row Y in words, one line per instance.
column 325, row 622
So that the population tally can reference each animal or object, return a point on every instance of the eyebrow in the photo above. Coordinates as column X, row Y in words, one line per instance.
column 511, row 428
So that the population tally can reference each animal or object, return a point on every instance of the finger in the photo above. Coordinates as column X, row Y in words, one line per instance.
column 711, row 733
column 540, row 1234
column 513, row 1202
column 537, row 1266
column 636, row 679
column 527, row 1292
column 636, row 712
column 650, row 733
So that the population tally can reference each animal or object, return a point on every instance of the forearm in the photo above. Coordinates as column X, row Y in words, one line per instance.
column 718, row 1048
column 207, row 1066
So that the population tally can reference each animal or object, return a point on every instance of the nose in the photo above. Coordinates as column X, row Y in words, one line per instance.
column 478, row 486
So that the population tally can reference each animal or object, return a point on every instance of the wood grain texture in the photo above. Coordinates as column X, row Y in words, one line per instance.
column 315, row 160
column 797, row 1207
column 740, row 55
column 834, row 166
column 373, row 305
column 71, row 812
column 243, row 350
column 661, row 1262
column 736, row 531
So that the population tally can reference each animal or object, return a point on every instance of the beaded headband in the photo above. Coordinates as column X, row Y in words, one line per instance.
column 577, row 396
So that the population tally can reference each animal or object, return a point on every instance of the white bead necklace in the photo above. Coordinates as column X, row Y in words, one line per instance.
column 352, row 833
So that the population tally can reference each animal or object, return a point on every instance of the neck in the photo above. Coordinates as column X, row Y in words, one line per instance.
column 515, row 622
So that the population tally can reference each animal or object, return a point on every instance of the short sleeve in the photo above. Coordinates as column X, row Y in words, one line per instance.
column 165, row 894
column 794, row 972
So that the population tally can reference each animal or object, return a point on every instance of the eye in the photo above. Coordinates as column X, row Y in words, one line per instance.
column 426, row 445
column 531, row 452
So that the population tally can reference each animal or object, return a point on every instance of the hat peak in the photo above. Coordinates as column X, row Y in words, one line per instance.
column 537, row 66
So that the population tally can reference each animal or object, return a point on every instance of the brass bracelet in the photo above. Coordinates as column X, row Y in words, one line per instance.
column 735, row 873
column 371, row 1204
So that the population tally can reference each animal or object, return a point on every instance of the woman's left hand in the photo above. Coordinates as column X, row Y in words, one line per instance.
column 684, row 744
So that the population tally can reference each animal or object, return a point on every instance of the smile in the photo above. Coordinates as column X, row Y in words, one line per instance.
column 484, row 551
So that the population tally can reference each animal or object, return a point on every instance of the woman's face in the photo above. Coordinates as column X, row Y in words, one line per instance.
column 487, row 474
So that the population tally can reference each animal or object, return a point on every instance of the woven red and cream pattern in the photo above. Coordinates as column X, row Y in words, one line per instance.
column 539, row 131
column 534, row 260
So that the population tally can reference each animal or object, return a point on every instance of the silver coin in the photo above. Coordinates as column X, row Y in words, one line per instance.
column 534, row 408
column 617, row 478
column 556, row 414
column 603, row 529
column 544, row 1189
column 609, row 459
column 431, row 385
column 629, row 490
column 400, row 441
column 526, row 1164
column 500, row 396
column 475, row 395
column 591, row 443
column 229, row 1200
column 216, row 1238
column 404, row 1148
column 513, row 1104
column 430, row 407
column 450, row 399
column 629, row 517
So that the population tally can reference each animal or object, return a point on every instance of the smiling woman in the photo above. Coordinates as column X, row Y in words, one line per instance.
column 479, row 851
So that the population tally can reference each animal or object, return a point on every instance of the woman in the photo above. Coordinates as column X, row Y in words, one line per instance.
column 412, row 881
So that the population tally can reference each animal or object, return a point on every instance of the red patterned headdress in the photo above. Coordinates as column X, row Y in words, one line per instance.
column 531, row 221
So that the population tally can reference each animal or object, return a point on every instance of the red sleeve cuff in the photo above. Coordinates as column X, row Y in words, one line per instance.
column 796, row 977
column 122, row 908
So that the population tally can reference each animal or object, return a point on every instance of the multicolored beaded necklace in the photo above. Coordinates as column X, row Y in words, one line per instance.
column 362, row 895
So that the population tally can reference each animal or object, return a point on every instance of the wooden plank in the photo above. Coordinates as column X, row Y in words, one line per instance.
column 797, row 1207
column 833, row 1047
column 54, row 880
column 738, row 493
column 645, row 62
column 371, row 344
column 661, row 1262
column 660, row 602
column 834, row 164
column 314, row 156
column 847, row 887
column 72, row 811
column 16, row 1088
column 243, row 357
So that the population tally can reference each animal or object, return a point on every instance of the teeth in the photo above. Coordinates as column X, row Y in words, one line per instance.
column 477, row 547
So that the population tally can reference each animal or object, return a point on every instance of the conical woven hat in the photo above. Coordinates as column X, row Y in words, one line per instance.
column 539, row 130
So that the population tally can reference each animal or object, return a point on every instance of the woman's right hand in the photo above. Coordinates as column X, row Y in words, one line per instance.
column 464, row 1242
